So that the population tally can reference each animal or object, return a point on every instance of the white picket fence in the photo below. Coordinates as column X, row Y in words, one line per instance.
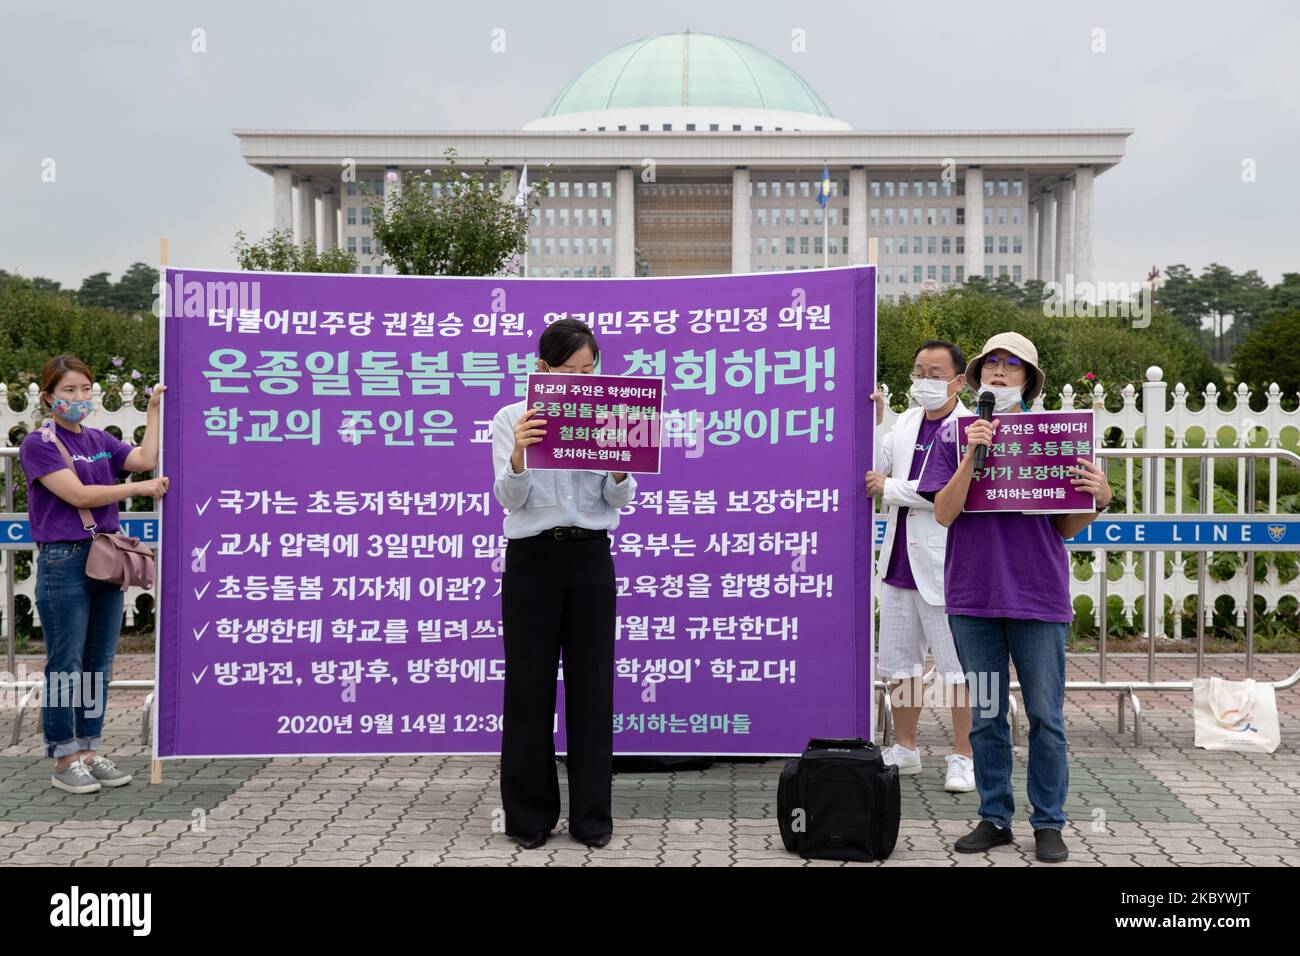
column 1163, row 421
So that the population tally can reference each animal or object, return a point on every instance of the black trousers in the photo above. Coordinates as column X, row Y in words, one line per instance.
column 558, row 596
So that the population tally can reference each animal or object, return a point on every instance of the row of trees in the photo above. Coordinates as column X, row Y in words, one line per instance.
column 1224, row 306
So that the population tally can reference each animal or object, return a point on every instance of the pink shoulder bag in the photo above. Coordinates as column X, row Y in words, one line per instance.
column 113, row 557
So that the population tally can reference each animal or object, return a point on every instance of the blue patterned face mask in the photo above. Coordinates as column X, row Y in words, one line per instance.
column 71, row 411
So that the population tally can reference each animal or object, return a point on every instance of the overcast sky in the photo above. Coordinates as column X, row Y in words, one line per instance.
column 139, row 125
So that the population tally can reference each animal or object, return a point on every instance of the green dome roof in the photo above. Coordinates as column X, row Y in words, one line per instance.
column 687, row 69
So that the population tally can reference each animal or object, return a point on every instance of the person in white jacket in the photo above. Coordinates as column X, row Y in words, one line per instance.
column 912, row 617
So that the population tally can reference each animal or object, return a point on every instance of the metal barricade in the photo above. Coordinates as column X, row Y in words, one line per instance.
column 1127, row 691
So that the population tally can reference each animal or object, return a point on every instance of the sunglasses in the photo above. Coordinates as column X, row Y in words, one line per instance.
column 1010, row 361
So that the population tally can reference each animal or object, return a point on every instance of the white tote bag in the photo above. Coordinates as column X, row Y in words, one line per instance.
column 1235, row 715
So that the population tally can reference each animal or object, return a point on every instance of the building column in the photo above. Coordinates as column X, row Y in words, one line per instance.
column 1083, row 188
column 306, row 212
column 1065, row 235
column 282, row 201
column 329, row 221
column 1046, row 231
column 741, row 241
column 1031, row 237
column 857, row 216
column 974, row 221
column 624, row 224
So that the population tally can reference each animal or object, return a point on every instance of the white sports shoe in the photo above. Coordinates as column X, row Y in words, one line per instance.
column 907, row 761
column 961, row 774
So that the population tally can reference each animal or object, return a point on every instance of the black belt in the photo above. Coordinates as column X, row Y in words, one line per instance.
column 571, row 534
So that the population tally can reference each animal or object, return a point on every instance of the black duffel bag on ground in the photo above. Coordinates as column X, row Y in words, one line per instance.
column 839, row 801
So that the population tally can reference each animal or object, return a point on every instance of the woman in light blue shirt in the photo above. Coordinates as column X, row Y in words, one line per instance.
column 557, row 595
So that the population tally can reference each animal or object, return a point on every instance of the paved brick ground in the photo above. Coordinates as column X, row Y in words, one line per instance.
column 1162, row 803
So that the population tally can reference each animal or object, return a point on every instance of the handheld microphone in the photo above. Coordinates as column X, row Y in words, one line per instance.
column 985, row 411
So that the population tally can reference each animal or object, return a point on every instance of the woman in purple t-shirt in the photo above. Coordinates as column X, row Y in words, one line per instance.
column 81, row 617
column 1007, row 594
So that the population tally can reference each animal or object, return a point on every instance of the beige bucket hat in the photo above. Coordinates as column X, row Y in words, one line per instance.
column 1021, row 348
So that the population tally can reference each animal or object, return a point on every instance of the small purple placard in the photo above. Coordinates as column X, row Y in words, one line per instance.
column 1026, row 467
column 597, row 422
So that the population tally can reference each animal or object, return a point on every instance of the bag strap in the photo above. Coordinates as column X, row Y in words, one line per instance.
column 1225, row 696
column 87, row 519
column 837, row 743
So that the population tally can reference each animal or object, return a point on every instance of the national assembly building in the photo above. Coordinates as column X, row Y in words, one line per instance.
column 693, row 154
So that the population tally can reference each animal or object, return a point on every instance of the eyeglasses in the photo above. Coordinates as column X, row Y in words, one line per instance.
column 1009, row 362
column 931, row 378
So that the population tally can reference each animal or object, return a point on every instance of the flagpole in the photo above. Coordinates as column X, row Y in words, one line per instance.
column 826, row 245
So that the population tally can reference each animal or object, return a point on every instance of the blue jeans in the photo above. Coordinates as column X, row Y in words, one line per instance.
column 1038, row 650
column 81, row 619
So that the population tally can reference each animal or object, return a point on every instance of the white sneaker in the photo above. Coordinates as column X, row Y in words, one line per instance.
column 907, row 761
column 961, row 774
column 75, row 778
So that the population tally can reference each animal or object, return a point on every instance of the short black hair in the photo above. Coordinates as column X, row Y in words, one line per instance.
column 958, row 358
column 561, row 339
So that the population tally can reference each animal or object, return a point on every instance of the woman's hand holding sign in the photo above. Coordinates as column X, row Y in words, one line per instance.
column 528, row 431
column 1090, row 478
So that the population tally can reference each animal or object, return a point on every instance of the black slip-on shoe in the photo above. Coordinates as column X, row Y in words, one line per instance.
column 1049, row 847
column 596, row 842
column 532, row 841
column 984, row 837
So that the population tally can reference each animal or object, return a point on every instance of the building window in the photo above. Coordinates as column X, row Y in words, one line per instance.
column 961, row 273
column 931, row 216
column 1002, row 245
column 988, row 272
column 1002, row 187
column 1015, row 274
column 945, row 216
column 564, row 218
column 803, row 245
column 550, row 245
column 916, row 246
column 887, row 275
column 365, row 215
column 988, row 245
column 817, row 216
column 961, row 216
column 761, row 247
column 889, row 188
column 889, row 215
column 564, row 245
column 889, row 245
column 945, row 246
column 930, row 244
column 916, row 274
column 947, row 274
column 875, row 188
column 365, row 245
column 916, row 215
column 352, row 189
column 902, row 189
column 713, row 127
column 352, row 215
column 690, row 127
column 535, row 246
column 932, row 273
column 1002, row 215
column 352, row 244
column 961, row 245
column 803, row 216
column 789, row 245
column 1016, row 245
column 1002, row 270
column 1017, row 187
column 988, row 188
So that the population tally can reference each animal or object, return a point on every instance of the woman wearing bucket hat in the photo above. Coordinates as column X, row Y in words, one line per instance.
column 1007, row 594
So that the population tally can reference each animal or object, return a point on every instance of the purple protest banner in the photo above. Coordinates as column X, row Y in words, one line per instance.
column 331, row 552
column 602, row 422
column 1027, row 464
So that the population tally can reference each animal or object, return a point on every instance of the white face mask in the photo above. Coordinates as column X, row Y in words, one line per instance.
column 1006, row 398
column 930, row 394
